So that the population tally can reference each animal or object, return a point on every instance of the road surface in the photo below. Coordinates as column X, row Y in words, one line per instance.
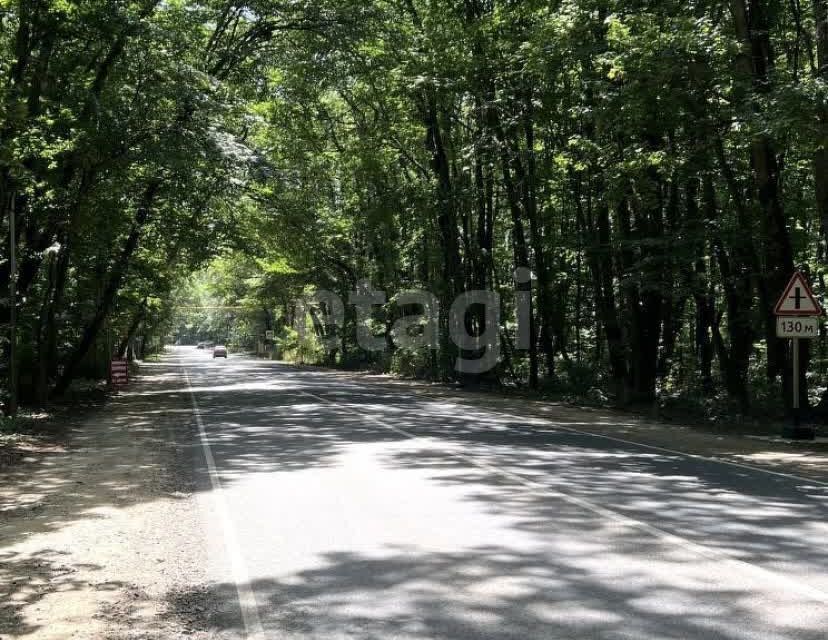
column 345, row 509
column 243, row 499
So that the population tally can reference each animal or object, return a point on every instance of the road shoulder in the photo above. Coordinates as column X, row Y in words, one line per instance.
column 86, row 543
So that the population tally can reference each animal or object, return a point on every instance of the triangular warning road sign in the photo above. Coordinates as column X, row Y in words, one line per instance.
column 798, row 299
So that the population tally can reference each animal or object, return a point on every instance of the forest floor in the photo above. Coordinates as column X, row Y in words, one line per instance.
column 36, row 432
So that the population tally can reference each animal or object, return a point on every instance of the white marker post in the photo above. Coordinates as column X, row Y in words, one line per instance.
column 797, row 317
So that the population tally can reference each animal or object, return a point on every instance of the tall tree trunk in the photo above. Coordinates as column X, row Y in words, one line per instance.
column 821, row 153
column 599, row 253
column 44, row 331
column 754, row 65
column 56, row 302
column 137, row 319
column 701, row 290
column 116, row 277
column 452, row 272
column 536, row 233
column 521, row 256
column 644, row 306
column 735, row 273
column 676, row 281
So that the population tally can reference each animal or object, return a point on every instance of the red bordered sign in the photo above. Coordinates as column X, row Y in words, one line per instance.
column 118, row 372
column 798, row 299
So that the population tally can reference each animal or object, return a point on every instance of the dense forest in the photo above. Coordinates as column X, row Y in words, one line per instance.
column 192, row 168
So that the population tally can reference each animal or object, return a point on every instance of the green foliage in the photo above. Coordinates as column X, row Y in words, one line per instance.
column 658, row 186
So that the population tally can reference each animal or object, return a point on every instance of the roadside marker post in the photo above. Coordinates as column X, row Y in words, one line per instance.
column 118, row 372
column 797, row 314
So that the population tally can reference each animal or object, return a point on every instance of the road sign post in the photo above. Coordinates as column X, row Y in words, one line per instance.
column 795, row 380
column 797, row 318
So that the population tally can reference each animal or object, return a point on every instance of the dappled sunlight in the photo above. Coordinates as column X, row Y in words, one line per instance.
column 769, row 521
column 756, row 517
column 492, row 526
column 25, row 581
column 100, row 473
column 487, row 204
column 497, row 592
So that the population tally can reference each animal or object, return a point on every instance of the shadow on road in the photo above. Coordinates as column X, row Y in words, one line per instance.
column 144, row 446
column 494, row 593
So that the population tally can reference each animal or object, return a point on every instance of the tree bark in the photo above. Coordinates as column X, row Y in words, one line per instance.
column 137, row 319
column 521, row 256
column 536, row 233
column 452, row 271
column 599, row 253
column 116, row 277
column 754, row 65
column 736, row 281
column 821, row 153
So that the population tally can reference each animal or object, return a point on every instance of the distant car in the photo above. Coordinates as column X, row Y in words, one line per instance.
column 219, row 351
column 200, row 345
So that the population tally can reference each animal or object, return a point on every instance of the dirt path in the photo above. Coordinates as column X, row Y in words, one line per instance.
column 87, row 549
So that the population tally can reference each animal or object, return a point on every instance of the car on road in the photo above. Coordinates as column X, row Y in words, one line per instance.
column 219, row 351
column 201, row 345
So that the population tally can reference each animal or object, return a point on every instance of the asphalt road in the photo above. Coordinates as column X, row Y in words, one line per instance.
column 337, row 508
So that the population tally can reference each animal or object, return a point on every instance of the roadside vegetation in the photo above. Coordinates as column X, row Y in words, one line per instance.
column 188, row 170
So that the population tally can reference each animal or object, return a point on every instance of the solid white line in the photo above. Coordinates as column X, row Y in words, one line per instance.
column 247, row 599
column 773, row 577
column 552, row 423
column 697, row 456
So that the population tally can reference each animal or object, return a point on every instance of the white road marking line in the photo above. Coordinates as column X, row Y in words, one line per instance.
column 654, row 447
column 247, row 600
column 773, row 577
column 550, row 422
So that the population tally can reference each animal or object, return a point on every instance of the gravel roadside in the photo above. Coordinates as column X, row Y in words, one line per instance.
column 107, row 539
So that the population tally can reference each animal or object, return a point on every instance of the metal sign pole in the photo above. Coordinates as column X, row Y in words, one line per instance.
column 797, row 318
column 795, row 380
